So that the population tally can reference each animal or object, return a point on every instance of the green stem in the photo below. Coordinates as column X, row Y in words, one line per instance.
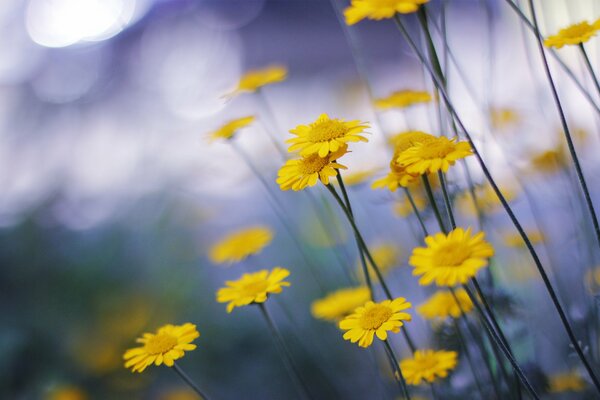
column 411, row 200
column 396, row 370
column 447, row 199
column 189, row 381
column 434, row 206
column 589, row 67
column 465, row 347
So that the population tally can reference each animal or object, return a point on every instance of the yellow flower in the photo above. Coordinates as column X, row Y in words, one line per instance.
column 566, row 382
column 433, row 156
column 487, row 201
column 397, row 177
column 228, row 130
column 403, row 207
column 299, row 173
column 502, row 118
column 253, row 80
column 407, row 139
column 379, row 9
column 442, row 304
column 253, row 288
column 358, row 177
column 573, row 34
column 403, row 99
column 451, row 259
column 179, row 394
column 340, row 303
column 375, row 319
column 385, row 255
column 514, row 239
column 428, row 365
column 325, row 136
column 550, row 160
column 592, row 280
column 239, row 245
column 168, row 344
column 66, row 393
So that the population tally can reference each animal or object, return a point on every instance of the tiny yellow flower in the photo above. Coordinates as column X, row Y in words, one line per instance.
column 550, row 160
column 375, row 319
column 241, row 244
column 228, row 130
column 442, row 304
column 253, row 288
column 403, row 99
column 385, row 255
column 339, row 304
column 433, row 156
column 253, row 80
column 514, row 239
column 566, row 382
column 379, row 9
column 502, row 118
column 297, row 174
column 574, row 34
column 407, row 139
column 168, row 344
column 428, row 366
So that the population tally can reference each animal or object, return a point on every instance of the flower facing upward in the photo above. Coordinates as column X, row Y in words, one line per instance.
column 573, row 34
column 375, row 319
column 379, row 9
column 239, row 245
column 297, row 174
column 451, row 259
column 253, row 288
column 566, row 382
column 228, row 130
column 253, row 80
column 325, row 136
column 168, row 344
column 433, row 156
column 443, row 305
column 428, row 365
column 340, row 303
column 403, row 99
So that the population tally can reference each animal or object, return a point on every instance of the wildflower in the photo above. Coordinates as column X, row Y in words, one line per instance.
column 239, row 245
column 325, row 136
column 385, row 256
column 550, row 160
column 514, row 239
column 379, row 9
column 566, row 382
column 502, row 118
column 407, row 139
column 375, row 319
column 403, row 208
column 451, row 259
column 297, row 174
column 66, row 392
column 433, row 156
column 228, row 130
column 253, row 80
column 340, row 303
column 428, row 365
column 253, row 288
column 397, row 177
column 168, row 344
column 442, row 304
column 358, row 177
column 574, row 34
column 403, row 99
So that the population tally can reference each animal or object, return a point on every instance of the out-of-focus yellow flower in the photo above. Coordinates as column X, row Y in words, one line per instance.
column 67, row 392
column 358, row 177
column 379, row 9
column 592, row 280
column 241, row 244
column 375, row 319
column 407, row 139
column 487, row 201
column 514, row 239
column 550, row 160
column 574, row 34
column 566, row 382
column 253, row 288
column 317, row 234
column 385, row 255
column 253, row 80
column 433, row 156
column 403, row 207
column 403, row 99
column 339, row 304
column 179, row 394
column 228, row 130
column 502, row 118
column 297, row 174
column 428, row 365
column 442, row 304
column 169, row 343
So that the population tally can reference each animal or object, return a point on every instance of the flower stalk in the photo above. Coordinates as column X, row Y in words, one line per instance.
column 189, row 381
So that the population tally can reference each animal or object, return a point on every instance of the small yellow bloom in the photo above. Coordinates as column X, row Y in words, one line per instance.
column 168, row 344
column 502, row 118
column 397, row 177
column 592, row 281
column 566, row 382
column 358, row 177
column 66, row 393
column 375, row 319
column 514, row 239
column 403, row 99
column 433, row 156
column 228, row 130
column 442, row 304
column 239, row 245
column 451, row 259
column 379, row 9
column 428, row 365
column 297, row 174
column 573, row 34
column 253, row 80
column 550, row 160
column 325, row 136
column 407, row 139
column 253, row 288
column 385, row 255
column 340, row 303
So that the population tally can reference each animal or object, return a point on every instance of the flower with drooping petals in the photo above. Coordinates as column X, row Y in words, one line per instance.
column 299, row 173
column 340, row 303
column 428, row 366
column 574, row 34
column 442, row 304
column 433, row 156
column 403, row 99
column 255, row 79
column 228, row 130
column 241, row 244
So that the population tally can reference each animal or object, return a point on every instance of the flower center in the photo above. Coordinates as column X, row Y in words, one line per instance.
column 160, row 343
column 326, row 130
column 427, row 363
column 253, row 288
column 311, row 164
column 375, row 316
column 436, row 149
column 451, row 255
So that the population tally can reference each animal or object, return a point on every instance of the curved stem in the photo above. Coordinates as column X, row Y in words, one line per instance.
column 411, row 200
column 434, row 206
column 447, row 199
column 189, row 381
column 463, row 344
column 396, row 369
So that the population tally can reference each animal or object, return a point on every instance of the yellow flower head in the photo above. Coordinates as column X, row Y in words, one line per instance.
column 253, row 80
column 407, row 139
column 428, row 365
column 358, row 177
column 403, row 208
column 443, row 305
column 340, row 303
column 228, row 130
column 375, row 319
column 297, row 174
column 403, row 99
column 514, row 239
column 325, row 136
column 433, row 156
column 573, row 34
column 502, row 118
column 566, row 382
column 253, row 288
column 550, row 160
column 385, row 255
column 239, row 245
column 66, row 392
column 168, row 344
column 451, row 259
column 379, row 9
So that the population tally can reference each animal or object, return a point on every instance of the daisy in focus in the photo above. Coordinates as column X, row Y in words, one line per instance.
column 575, row 34
column 239, row 245
column 339, row 304
column 228, row 130
column 428, row 366
column 167, row 344
column 442, row 304
column 253, row 80
column 297, row 174
column 379, row 9
column 433, row 156
column 403, row 99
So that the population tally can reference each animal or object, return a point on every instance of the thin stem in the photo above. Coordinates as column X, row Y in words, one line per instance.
column 463, row 344
column 447, row 199
column 411, row 200
column 590, row 69
column 396, row 369
column 189, row 381
column 269, row 116
column 434, row 206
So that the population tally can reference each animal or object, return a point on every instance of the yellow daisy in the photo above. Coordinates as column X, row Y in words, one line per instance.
column 566, row 382
column 403, row 99
column 228, row 130
column 574, row 34
column 253, row 80
column 514, row 239
column 442, row 304
column 297, row 174
column 451, row 259
column 407, row 139
column 325, row 136
column 379, row 9
column 241, row 244
column 433, row 156
column 168, row 344
column 253, row 288
column 375, row 319
column 385, row 255
column 428, row 365
column 340, row 303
